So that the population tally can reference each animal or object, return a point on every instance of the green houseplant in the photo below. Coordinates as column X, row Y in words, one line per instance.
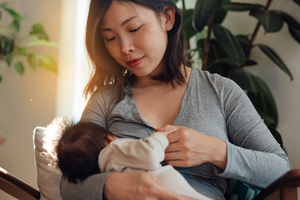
column 12, row 47
column 226, row 54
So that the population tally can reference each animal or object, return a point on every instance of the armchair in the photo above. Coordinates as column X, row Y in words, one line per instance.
column 49, row 178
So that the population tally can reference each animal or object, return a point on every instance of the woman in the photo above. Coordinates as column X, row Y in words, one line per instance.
column 142, row 82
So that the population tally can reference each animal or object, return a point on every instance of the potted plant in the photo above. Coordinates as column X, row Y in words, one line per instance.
column 222, row 52
column 13, row 49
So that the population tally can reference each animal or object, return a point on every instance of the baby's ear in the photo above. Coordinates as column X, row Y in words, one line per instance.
column 110, row 138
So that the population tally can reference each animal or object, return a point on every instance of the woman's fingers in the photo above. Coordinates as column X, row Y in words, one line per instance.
column 167, row 132
column 168, row 128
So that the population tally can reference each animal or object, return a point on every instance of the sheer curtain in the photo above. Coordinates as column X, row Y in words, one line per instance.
column 73, row 65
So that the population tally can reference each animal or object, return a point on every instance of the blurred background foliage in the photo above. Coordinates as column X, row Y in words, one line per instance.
column 13, row 49
column 219, row 51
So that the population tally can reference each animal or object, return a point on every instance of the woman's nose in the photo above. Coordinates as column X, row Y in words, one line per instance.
column 127, row 46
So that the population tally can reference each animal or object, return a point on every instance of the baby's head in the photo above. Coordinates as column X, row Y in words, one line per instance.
column 78, row 150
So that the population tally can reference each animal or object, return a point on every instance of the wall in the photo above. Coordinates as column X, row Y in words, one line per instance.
column 30, row 100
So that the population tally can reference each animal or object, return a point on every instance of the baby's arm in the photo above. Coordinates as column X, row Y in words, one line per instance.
column 142, row 154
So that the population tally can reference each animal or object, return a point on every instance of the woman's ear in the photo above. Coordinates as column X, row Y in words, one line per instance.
column 169, row 14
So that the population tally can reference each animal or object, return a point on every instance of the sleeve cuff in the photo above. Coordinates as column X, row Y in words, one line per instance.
column 227, row 172
column 161, row 138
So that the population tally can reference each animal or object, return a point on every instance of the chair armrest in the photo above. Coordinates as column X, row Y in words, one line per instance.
column 290, row 179
column 16, row 187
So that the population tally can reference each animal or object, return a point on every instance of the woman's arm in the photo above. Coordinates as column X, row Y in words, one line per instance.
column 114, row 186
column 137, row 185
column 254, row 156
column 251, row 153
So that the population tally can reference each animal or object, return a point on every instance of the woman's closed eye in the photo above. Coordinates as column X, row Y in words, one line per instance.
column 131, row 31
column 135, row 30
column 111, row 39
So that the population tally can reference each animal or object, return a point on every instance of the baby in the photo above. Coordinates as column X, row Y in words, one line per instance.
column 86, row 148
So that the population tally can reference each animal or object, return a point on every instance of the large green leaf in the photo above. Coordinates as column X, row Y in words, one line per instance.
column 221, row 13
column 15, row 25
column 32, row 60
column 221, row 67
column 276, row 135
column 288, row 19
column 267, row 119
column 264, row 102
column 9, row 59
column 249, row 63
column 295, row 33
column 229, row 44
column 190, row 31
column 243, row 41
column 245, row 80
column 19, row 67
column 204, row 12
column 271, row 21
column 216, row 53
column 220, row 16
column 38, row 29
column 297, row 2
column 16, row 16
column 38, row 42
column 241, row 6
column 275, row 58
column 47, row 62
column 294, row 25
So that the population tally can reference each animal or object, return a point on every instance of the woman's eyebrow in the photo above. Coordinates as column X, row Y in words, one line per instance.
column 123, row 23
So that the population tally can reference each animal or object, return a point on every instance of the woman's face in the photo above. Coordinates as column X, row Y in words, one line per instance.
column 136, row 37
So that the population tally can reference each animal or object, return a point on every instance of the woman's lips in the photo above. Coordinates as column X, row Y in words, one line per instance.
column 135, row 62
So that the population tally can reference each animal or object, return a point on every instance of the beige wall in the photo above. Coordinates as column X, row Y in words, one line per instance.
column 30, row 100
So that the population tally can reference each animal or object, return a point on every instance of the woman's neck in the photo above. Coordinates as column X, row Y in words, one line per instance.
column 148, row 81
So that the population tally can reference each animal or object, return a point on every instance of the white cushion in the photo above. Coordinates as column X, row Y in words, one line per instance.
column 48, row 177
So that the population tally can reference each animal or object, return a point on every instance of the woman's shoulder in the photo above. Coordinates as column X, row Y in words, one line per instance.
column 215, row 80
column 107, row 91
column 105, row 95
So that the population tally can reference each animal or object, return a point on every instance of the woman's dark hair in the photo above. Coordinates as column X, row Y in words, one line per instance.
column 79, row 148
column 108, row 71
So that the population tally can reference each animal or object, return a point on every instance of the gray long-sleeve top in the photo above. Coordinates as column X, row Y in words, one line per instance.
column 212, row 105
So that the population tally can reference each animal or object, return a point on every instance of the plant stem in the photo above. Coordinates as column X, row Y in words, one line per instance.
column 183, row 5
column 187, row 42
column 248, row 50
column 207, row 44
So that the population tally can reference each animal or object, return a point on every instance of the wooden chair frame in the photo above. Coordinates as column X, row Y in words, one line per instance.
column 288, row 184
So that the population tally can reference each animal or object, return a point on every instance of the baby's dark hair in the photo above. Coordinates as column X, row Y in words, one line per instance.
column 78, row 150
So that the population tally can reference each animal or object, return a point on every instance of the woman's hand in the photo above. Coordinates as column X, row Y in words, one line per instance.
column 188, row 147
column 137, row 185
